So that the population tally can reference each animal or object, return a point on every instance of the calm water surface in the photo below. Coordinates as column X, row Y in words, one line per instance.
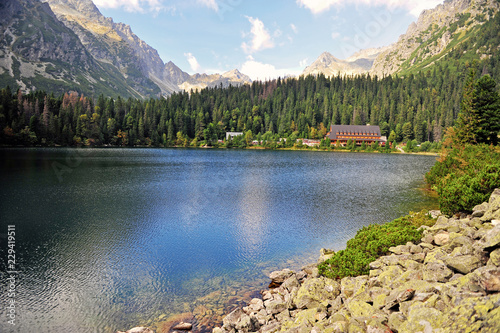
column 108, row 239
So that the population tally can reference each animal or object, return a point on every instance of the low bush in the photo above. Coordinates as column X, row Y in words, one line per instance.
column 371, row 242
column 464, row 177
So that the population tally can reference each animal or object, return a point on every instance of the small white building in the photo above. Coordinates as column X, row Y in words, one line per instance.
column 232, row 134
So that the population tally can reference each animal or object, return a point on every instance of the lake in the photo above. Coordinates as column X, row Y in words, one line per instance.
column 109, row 239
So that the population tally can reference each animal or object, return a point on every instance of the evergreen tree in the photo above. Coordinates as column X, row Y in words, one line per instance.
column 486, row 103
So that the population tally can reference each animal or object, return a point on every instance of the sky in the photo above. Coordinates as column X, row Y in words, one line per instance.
column 262, row 38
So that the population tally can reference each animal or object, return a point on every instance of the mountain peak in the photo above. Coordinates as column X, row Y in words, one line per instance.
column 329, row 65
column 236, row 75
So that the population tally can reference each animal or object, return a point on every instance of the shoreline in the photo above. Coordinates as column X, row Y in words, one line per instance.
column 447, row 282
column 396, row 152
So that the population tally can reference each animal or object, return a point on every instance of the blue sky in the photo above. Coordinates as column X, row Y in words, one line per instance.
column 263, row 39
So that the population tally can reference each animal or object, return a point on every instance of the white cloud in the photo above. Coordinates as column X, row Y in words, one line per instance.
column 294, row 28
column 303, row 62
column 195, row 66
column 261, row 39
column 414, row 7
column 260, row 71
column 335, row 35
column 212, row 4
column 140, row 6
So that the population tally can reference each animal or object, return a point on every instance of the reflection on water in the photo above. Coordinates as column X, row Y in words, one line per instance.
column 128, row 237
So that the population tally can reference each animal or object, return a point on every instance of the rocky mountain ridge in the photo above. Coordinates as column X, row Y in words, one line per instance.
column 329, row 65
column 37, row 51
column 115, row 43
column 433, row 34
column 63, row 45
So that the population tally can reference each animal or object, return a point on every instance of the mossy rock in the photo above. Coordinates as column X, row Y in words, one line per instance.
column 316, row 292
column 421, row 319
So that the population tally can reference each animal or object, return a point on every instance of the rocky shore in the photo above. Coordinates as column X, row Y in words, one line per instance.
column 449, row 282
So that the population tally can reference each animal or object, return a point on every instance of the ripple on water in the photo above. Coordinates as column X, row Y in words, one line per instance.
column 134, row 236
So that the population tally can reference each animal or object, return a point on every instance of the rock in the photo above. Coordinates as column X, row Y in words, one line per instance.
column 231, row 319
column 256, row 304
column 314, row 292
column 493, row 212
column 421, row 319
column 306, row 317
column 441, row 238
column 183, row 326
column 427, row 246
column 138, row 330
column 435, row 213
column 275, row 306
column 441, row 221
column 389, row 274
column 325, row 255
column 400, row 249
column 278, row 277
column 273, row 326
column 416, row 249
column 350, row 286
column 395, row 321
column 491, row 240
column 479, row 210
column 495, row 257
column 436, row 271
column 489, row 279
column 463, row 264
column 291, row 283
column 360, row 309
column 395, row 298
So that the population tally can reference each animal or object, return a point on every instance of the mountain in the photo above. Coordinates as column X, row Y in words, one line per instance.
column 359, row 63
column 328, row 65
column 37, row 51
column 201, row 81
column 437, row 33
column 63, row 45
column 114, row 44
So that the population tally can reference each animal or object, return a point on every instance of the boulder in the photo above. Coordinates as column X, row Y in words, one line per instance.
column 230, row 321
column 441, row 238
column 278, row 277
column 491, row 240
column 463, row 264
column 360, row 309
column 314, row 292
column 290, row 283
column 398, row 297
column 422, row 319
column 493, row 212
column 495, row 257
column 436, row 271
column 489, row 279
column 182, row 326
column 275, row 306
column 138, row 330
column 479, row 210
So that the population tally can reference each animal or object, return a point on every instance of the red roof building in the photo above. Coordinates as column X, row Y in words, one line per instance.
column 359, row 133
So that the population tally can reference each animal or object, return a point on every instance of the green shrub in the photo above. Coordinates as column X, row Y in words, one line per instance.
column 371, row 242
column 465, row 177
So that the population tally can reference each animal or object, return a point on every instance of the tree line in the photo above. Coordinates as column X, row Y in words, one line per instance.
column 416, row 107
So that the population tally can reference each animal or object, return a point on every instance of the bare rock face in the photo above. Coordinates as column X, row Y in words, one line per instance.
column 439, row 26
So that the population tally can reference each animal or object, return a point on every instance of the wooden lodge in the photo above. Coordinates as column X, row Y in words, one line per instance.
column 359, row 133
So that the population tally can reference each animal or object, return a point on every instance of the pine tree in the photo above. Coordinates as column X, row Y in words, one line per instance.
column 467, row 122
column 486, row 103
